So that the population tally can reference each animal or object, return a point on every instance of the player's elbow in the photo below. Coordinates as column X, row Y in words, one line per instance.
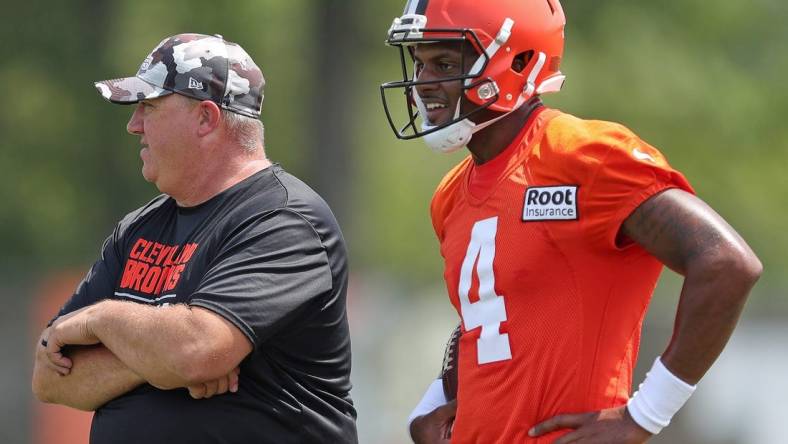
column 752, row 268
column 744, row 266
column 736, row 265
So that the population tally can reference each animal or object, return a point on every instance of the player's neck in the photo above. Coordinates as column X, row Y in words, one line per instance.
column 491, row 141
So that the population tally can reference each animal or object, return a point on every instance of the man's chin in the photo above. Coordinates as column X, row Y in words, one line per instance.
column 148, row 175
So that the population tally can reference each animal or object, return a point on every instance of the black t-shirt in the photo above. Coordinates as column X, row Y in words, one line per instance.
column 267, row 255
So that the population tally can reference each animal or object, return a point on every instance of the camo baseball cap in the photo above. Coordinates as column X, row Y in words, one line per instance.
column 199, row 66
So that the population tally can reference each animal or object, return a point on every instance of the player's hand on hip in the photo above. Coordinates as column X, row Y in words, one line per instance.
column 224, row 384
column 434, row 427
column 70, row 329
column 609, row 426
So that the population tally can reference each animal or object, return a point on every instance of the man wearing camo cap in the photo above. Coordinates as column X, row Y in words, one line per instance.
column 216, row 312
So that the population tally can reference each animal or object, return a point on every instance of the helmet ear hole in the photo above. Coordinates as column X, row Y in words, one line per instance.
column 521, row 60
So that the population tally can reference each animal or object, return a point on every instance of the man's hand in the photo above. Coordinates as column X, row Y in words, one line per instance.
column 41, row 351
column 96, row 377
column 609, row 426
column 434, row 427
column 70, row 329
column 219, row 386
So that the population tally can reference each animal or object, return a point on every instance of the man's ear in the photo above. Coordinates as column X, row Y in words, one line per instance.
column 209, row 117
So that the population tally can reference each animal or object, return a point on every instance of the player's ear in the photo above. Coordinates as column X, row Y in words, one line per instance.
column 209, row 116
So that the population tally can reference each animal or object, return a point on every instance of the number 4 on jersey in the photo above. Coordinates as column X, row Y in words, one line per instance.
column 489, row 311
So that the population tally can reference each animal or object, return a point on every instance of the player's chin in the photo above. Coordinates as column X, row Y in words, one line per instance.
column 438, row 117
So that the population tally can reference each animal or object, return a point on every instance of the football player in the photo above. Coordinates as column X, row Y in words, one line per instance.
column 553, row 231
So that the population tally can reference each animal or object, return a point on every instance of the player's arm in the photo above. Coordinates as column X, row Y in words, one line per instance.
column 434, row 427
column 719, row 269
column 432, row 420
column 97, row 376
column 169, row 346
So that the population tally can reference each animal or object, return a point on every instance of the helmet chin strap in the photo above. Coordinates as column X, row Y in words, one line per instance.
column 458, row 134
column 455, row 136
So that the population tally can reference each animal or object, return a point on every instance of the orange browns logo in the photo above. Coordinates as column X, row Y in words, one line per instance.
column 153, row 268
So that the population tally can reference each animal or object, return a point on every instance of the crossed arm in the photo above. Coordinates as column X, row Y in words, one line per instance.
column 96, row 377
column 130, row 344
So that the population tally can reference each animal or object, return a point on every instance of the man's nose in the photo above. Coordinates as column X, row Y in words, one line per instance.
column 135, row 122
column 425, row 75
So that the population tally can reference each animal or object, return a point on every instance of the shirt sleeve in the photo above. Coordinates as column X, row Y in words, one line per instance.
column 625, row 172
column 99, row 282
column 266, row 274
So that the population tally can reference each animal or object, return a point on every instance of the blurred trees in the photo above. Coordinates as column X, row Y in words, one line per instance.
column 702, row 82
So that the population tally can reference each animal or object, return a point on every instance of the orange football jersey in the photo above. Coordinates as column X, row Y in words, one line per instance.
column 551, row 300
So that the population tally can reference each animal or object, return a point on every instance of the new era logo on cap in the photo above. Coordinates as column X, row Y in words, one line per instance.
column 550, row 203
column 146, row 63
column 193, row 84
column 199, row 66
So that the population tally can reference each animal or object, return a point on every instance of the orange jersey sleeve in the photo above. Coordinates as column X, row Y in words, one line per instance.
column 617, row 168
column 551, row 305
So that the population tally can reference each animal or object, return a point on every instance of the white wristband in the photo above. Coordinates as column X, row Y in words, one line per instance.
column 658, row 398
column 432, row 399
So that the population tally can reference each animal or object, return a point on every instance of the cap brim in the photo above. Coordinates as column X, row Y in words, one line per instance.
column 129, row 90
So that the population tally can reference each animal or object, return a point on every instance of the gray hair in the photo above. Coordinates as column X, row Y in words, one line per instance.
column 245, row 131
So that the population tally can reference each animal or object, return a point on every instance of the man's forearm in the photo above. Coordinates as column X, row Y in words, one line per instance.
column 96, row 377
column 171, row 346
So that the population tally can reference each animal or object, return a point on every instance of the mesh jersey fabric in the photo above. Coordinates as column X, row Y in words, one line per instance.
column 574, row 293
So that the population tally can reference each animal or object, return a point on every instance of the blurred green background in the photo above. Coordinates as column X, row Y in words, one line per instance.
column 703, row 81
